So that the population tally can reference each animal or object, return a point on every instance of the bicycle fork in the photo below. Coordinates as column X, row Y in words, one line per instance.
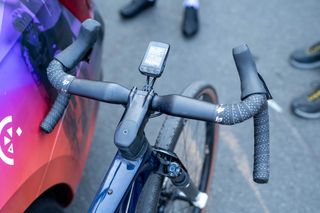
column 171, row 167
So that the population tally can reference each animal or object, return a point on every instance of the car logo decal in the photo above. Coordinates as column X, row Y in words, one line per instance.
column 6, row 139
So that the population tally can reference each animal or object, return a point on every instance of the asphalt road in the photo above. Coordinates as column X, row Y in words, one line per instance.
column 272, row 29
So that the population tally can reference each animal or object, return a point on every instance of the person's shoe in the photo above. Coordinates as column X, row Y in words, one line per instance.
column 190, row 24
column 308, row 105
column 306, row 58
column 135, row 7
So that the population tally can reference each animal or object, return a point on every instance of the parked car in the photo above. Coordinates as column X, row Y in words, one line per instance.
column 38, row 170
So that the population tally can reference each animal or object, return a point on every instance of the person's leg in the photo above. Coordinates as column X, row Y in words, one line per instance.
column 135, row 7
column 190, row 24
column 308, row 58
column 308, row 105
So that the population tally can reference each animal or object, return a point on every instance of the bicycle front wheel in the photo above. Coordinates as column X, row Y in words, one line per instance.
column 195, row 143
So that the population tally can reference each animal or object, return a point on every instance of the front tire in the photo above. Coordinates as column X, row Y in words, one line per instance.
column 195, row 143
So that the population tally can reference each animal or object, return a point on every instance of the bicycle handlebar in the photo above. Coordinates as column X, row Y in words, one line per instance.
column 254, row 100
column 252, row 83
column 69, row 58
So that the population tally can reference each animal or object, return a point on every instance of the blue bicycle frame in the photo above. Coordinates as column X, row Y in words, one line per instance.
column 123, row 183
column 135, row 161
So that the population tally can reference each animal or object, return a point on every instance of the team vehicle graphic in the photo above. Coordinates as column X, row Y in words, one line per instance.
column 6, row 129
column 35, row 166
column 8, row 136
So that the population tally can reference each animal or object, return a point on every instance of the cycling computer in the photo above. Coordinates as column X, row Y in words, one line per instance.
column 154, row 60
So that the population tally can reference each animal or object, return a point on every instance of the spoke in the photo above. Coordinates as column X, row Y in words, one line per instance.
column 196, row 179
column 186, row 207
column 185, row 140
column 181, row 198
column 193, row 150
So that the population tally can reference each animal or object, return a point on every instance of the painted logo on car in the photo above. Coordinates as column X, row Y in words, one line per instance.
column 7, row 134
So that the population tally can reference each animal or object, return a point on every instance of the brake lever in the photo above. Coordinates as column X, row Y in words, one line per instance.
column 79, row 50
column 253, row 83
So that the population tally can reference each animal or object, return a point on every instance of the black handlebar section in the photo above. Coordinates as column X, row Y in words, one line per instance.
column 68, row 58
column 252, row 83
column 248, row 74
column 230, row 114
column 185, row 107
column 58, row 78
column 107, row 92
column 255, row 106
column 80, row 49
column 254, row 95
column 55, row 113
column 261, row 167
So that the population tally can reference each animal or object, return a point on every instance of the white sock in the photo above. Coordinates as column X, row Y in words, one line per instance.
column 191, row 3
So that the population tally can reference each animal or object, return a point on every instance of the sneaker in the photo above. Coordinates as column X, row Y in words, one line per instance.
column 306, row 58
column 190, row 24
column 308, row 105
column 135, row 7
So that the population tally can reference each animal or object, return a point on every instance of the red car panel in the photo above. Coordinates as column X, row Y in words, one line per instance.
column 31, row 162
